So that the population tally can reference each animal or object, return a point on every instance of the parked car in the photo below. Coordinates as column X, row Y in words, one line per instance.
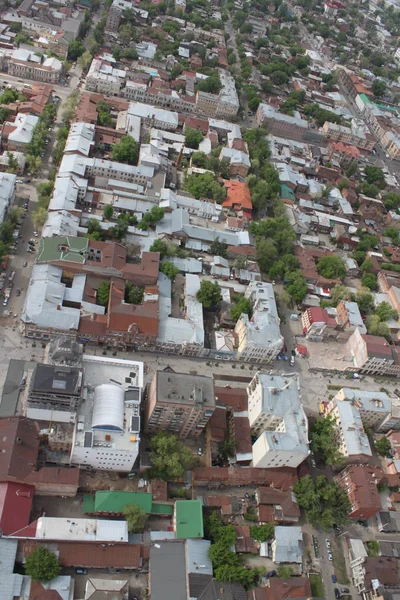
column 271, row 573
column 345, row 590
column 17, row 292
column 333, row 578
column 337, row 593
column 291, row 361
column 80, row 571
column 330, row 557
column 328, row 544
column 24, row 264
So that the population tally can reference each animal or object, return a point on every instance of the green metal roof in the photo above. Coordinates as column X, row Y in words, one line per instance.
column 162, row 509
column 114, row 502
column 188, row 519
column 287, row 192
column 70, row 249
column 365, row 99
column 88, row 503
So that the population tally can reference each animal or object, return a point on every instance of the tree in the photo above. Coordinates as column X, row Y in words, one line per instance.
column 39, row 217
column 242, row 306
column 393, row 233
column 383, row 446
column 284, row 571
column 103, row 294
column 323, row 441
column 169, row 269
column 359, row 257
column 135, row 516
column 218, row 248
column 375, row 175
column 267, row 254
column 4, row 112
column 365, row 301
column 12, row 163
column 126, row 151
column 42, row 565
column 159, row 246
column 385, row 311
column 227, row 448
column 84, row 60
column 339, row 293
column 297, row 286
column 75, row 50
column 103, row 114
column 262, row 533
column 209, row 294
column 193, row 137
column 324, row 502
column 170, row 458
column 391, row 200
column 133, row 293
column 108, row 212
column 379, row 88
column 331, row 267
column 205, row 186
column 33, row 163
column 373, row 548
column 211, row 85
column 369, row 281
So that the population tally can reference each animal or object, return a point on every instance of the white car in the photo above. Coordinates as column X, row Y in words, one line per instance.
column 328, row 544
column 330, row 557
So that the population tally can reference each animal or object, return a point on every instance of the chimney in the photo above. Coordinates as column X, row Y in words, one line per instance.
column 19, row 441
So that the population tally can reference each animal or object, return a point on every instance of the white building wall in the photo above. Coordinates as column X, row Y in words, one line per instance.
column 103, row 458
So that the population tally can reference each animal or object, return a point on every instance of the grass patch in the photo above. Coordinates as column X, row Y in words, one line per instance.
column 317, row 587
column 339, row 565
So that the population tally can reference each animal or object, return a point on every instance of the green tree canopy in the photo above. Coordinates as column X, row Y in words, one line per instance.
column 159, row 246
column 75, row 49
column 339, row 293
column 133, row 293
column 285, row 571
column 169, row 269
column 193, row 137
column 369, row 281
column 323, row 441
column 331, row 267
column 209, row 294
column 385, row 311
column 365, row 301
column 135, row 516
column 42, row 565
column 219, row 248
column 324, row 502
column 379, row 88
column 170, row 458
column 126, row 151
column 262, row 533
column 239, row 307
column 383, row 446
column 297, row 286
column 108, row 212
column 103, row 293
column 205, row 186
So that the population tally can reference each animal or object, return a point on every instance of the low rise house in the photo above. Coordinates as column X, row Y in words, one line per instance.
column 280, row 589
column 318, row 324
column 188, row 519
column 287, row 546
column 348, row 316
column 17, row 134
column 276, row 505
column 360, row 484
column 277, row 418
column 29, row 65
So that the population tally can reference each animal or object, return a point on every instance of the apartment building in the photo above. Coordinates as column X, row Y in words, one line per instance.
column 277, row 418
column 115, row 14
column 17, row 134
column 168, row 99
column 359, row 482
column 372, row 354
column 351, row 439
column 374, row 407
column 179, row 403
column 222, row 105
column 104, row 79
column 259, row 338
column 348, row 317
column 29, row 65
column 318, row 324
column 279, row 124
column 7, row 193
column 154, row 117
column 354, row 136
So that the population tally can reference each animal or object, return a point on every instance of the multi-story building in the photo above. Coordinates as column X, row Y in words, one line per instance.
column 179, row 403
column 259, row 338
column 224, row 104
column 318, row 324
column 107, row 431
column 115, row 14
column 104, row 79
column 17, row 134
column 359, row 482
column 277, row 418
column 374, row 407
column 348, row 317
column 54, row 393
column 287, row 546
column 154, row 117
column 355, row 136
column 372, row 354
column 279, row 124
column 167, row 99
column 7, row 193
column 351, row 439
column 28, row 65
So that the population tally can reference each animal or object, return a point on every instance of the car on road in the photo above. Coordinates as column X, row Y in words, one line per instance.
column 291, row 361
column 200, row 452
column 345, row 590
column 328, row 544
column 271, row 573
column 27, row 180
column 80, row 571
column 330, row 557
column 36, row 233
column 17, row 292
column 20, row 181
column 333, row 578
column 24, row 264
column 337, row 593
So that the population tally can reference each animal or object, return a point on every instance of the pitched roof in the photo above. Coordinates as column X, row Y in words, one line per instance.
column 189, row 519
column 238, row 193
column 279, row 589
column 15, row 506
column 270, row 496
column 281, row 478
column 220, row 590
column 19, row 447
column 231, row 396
column 115, row 501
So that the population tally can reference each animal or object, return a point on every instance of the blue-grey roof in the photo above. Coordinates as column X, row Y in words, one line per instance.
column 289, row 544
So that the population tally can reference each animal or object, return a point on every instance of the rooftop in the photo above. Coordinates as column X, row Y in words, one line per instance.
column 85, row 530
column 168, row 571
column 182, row 388
column 289, row 544
column 189, row 519
column 115, row 501
column 355, row 438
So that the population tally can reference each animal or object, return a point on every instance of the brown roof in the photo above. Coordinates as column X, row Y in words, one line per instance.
column 38, row 592
column 270, row 496
column 377, row 346
column 19, row 447
column 235, row 397
column 55, row 475
column 295, row 587
column 159, row 489
column 283, row 478
column 383, row 568
column 244, row 541
column 122, row 556
column 242, row 250
column 266, row 514
column 217, row 424
column 144, row 273
column 241, row 427
column 359, row 482
column 125, row 317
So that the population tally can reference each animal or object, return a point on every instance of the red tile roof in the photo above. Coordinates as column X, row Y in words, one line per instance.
column 120, row 556
column 238, row 195
column 15, row 506
column 282, row 478
column 235, row 397
column 277, row 498
column 377, row 346
column 217, row 425
column 279, row 589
